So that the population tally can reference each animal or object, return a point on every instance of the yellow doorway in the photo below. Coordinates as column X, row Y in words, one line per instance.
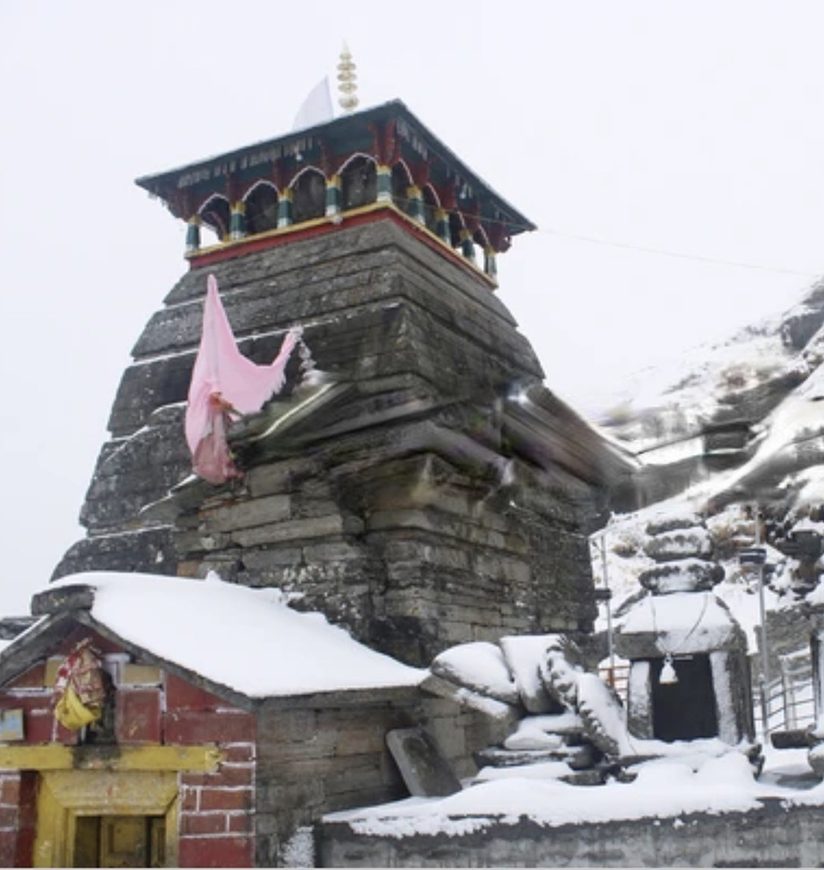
column 88, row 818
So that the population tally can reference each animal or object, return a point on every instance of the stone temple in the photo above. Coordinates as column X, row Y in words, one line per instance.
column 432, row 490
column 413, row 481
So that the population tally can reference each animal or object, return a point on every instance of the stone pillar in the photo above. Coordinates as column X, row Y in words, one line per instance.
column 384, row 178
column 467, row 245
column 237, row 223
column 639, row 700
column 817, row 655
column 285, row 208
column 490, row 264
column 442, row 226
column 728, row 726
column 334, row 197
column 193, row 234
column 414, row 206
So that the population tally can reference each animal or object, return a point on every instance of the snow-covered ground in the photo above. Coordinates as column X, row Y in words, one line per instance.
column 699, row 780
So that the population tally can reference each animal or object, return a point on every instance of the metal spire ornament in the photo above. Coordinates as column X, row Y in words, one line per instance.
column 347, row 81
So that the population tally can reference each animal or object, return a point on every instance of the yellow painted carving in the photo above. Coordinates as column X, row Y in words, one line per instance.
column 53, row 756
column 64, row 795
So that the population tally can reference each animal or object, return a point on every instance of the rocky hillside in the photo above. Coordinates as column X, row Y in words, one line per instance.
column 744, row 377
column 762, row 390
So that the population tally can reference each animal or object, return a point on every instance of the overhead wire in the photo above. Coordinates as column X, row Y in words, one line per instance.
column 645, row 249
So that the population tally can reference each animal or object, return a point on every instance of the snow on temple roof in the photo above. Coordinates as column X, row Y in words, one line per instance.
column 246, row 639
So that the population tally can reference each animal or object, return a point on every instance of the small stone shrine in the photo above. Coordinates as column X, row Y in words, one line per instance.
column 689, row 674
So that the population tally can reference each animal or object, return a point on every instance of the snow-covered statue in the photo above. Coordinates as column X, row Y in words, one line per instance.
column 586, row 694
column 689, row 675
column 549, row 706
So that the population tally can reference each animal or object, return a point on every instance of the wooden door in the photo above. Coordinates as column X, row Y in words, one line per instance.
column 119, row 841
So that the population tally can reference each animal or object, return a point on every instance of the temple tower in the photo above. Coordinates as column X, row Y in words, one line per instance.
column 434, row 491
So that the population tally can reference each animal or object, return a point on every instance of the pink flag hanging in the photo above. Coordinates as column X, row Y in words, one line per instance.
column 224, row 384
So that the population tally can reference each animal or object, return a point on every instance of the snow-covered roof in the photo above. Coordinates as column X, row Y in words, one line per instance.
column 248, row 640
column 681, row 623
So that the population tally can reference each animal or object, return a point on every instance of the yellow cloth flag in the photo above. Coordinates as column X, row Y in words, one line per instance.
column 72, row 713
column 79, row 691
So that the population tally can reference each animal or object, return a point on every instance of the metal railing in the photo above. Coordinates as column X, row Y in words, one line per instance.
column 617, row 677
column 790, row 701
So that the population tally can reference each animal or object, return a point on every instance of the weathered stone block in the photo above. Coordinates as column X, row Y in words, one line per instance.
column 247, row 514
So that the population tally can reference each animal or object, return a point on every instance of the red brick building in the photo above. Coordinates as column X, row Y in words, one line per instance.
column 187, row 768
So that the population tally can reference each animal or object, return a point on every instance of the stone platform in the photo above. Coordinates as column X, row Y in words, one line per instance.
column 772, row 835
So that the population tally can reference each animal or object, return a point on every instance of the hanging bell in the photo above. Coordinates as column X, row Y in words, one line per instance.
column 668, row 676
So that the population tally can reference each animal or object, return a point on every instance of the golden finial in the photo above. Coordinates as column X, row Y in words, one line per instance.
column 347, row 84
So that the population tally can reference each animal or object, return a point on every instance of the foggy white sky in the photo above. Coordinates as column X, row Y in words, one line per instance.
column 690, row 126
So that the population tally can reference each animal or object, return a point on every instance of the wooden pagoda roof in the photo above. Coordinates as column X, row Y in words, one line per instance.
column 336, row 140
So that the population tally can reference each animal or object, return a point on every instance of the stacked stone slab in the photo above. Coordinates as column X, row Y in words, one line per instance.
column 680, row 617
column 682, row 548
column 445, row 495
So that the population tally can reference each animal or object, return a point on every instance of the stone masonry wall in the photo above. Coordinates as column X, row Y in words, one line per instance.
column 314, row 760
column 412, row 561
column 401, row 512
column 340, row 287
column 775, row 835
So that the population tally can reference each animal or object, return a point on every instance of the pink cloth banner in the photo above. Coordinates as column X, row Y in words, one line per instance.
column 225, row 384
